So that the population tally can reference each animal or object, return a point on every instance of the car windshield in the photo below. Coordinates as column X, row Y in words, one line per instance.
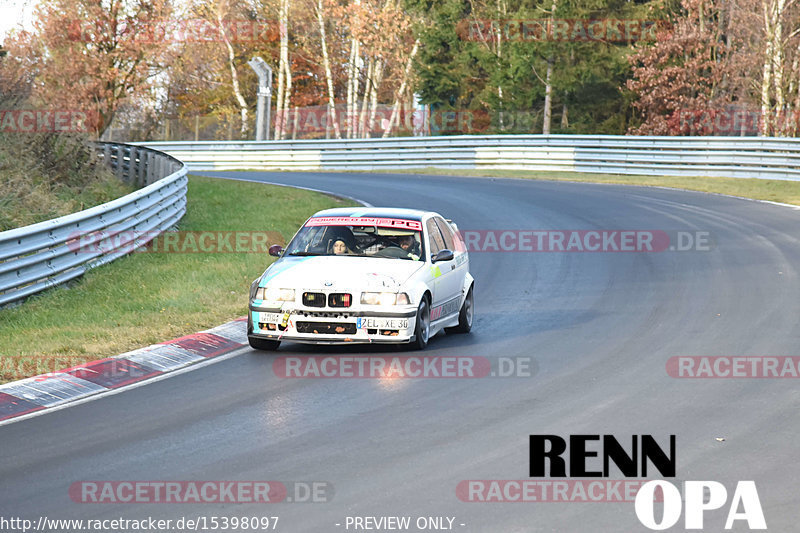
column 359, row 237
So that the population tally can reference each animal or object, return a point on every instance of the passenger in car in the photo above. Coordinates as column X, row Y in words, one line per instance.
column 339, row 233
column 340, row 248
column 406, row 242
column 410, row 245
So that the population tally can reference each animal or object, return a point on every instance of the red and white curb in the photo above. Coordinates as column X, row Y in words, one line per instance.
column 55, row 389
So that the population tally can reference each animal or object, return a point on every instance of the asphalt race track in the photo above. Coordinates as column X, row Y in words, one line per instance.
column 597, row 328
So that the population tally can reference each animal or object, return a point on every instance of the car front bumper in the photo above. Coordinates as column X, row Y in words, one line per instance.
column 341, row 326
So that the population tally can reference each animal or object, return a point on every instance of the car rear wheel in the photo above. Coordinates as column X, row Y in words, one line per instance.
column 268, row 345
column 422, row 329
column 465, row 316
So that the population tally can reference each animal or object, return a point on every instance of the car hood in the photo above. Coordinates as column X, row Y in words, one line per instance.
column 332, row 272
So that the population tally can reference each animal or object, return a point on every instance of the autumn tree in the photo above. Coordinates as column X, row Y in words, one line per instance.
column 780, row 65
column 729, row 64
column 91, row 55
column 225, row 17
column 378, row 41
column 318, row 7
column 210, row 77
column 678, row 78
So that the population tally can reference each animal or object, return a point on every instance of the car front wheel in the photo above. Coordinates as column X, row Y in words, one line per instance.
column 465, row 316
column 423, row 326
column 267, row 345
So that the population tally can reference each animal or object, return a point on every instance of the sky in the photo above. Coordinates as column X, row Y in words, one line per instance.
column 14, row 12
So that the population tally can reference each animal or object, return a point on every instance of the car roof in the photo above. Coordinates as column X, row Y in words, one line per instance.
column 377, row 212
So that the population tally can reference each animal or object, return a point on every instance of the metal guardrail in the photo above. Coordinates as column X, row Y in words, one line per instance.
column 42, row 255
column 738, row 157
column 46, row 254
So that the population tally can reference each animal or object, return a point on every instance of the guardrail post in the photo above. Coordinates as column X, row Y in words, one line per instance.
column 150, row 168
column 160, row 165
column 120, row 170
column 141, row 167
column 107, row 156
column 133, row 166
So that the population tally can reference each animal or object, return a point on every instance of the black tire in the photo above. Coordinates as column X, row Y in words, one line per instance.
column 465, row 316
column 422, row 329
column 268, row 345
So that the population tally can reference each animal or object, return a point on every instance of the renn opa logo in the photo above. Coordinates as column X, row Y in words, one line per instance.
column 547, row 450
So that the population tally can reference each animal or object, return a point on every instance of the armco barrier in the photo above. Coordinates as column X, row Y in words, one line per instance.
column 42, row 255
column 39, row 256
column 738, row 157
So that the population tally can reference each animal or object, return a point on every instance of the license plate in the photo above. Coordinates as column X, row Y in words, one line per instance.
column 269, row 317
column 382, row 323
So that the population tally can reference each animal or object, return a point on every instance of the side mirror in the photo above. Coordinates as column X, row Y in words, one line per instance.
column 275, row 250
column 443, row 255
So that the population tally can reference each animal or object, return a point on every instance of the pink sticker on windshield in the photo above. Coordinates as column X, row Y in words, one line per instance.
column 400, row 223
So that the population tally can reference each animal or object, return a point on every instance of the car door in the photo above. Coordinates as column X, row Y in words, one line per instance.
column 447, row 291
column 454, row 242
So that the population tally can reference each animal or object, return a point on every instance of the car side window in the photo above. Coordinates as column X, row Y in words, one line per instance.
column 434, row 236
column 447, row 233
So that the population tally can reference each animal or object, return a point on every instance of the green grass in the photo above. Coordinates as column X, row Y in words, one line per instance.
column 783, row 191
column 145, row 298
column 48, row 175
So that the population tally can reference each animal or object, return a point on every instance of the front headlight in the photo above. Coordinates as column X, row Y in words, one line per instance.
column 384, row 298
column 272, row 294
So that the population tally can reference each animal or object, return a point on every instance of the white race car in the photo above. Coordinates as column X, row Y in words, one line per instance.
column 363, row 275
